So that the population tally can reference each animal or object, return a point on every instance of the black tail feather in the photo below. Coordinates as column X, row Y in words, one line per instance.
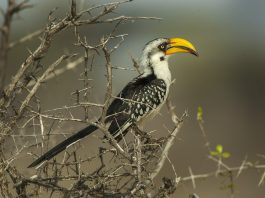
column 63, row 145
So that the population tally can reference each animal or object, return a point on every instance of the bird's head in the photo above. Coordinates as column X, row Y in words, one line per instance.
column 160, row 49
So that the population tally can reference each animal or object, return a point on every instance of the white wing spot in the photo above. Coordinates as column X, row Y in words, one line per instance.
column 147, row 109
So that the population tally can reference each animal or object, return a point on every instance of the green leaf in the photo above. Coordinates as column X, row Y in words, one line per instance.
column 219, row 148
column 214, row 153
column 199, row 113
column 226, row 155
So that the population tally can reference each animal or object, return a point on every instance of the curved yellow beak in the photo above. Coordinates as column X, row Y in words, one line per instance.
column 180, row 45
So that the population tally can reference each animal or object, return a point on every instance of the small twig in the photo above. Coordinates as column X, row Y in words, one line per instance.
column 57, row 72
column 119, row 18
column 262, row 178
column 25, row 38
column 220, row 163
column 221, row 172
column 136, row 65
column 42, row 130
column 39, row 81
column 192, row 178
column 241, row 167
column 103, row 5
column 12, row 8
column 165, row 151
column 109, row 80
column 138, row 159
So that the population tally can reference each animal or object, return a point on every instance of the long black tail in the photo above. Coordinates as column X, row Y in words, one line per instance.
column 63, row 145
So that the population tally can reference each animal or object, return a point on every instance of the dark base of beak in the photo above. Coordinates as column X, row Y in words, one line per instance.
column 194, row 53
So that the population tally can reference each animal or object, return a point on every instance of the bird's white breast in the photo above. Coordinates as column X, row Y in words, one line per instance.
column 161, row 69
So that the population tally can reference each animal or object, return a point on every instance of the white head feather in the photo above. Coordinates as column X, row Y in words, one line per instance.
column 154, row 60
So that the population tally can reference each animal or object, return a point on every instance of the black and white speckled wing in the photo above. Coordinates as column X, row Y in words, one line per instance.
column 138, row 99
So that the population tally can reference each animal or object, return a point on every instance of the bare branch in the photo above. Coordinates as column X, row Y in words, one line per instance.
column 12, row 9
column 25, row 38
column 57, row 72
column 165, row 151
column 39, row 81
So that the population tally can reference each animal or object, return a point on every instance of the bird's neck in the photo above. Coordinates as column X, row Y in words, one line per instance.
column 158, row 67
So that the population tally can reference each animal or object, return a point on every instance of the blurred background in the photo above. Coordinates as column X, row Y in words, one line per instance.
column 227, row 80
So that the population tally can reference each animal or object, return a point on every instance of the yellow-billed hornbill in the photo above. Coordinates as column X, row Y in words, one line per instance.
column 140, row 98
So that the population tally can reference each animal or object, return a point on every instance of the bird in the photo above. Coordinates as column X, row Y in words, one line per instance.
column 140, row 99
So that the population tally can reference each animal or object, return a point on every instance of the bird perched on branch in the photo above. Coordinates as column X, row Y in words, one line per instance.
column 141, row 98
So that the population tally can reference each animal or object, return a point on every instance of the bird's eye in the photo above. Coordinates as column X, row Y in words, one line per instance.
column 162, row 46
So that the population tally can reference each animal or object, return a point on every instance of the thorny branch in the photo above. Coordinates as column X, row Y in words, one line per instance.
column 50, row 31
column 12, row 8
column 27, row 110
column 33, row 91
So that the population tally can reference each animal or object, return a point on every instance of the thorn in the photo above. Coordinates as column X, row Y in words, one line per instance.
column 192, row 178
column 193, row 195
column 261, row 179
column 30, row 52
column 242, row 166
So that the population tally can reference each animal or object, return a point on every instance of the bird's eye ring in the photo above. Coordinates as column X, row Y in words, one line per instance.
column 162, row 46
